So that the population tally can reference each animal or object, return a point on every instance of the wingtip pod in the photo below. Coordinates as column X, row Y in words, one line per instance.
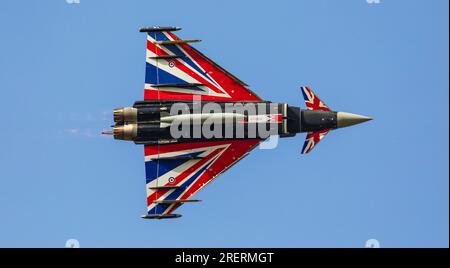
column 161, row 216
column 159, row 29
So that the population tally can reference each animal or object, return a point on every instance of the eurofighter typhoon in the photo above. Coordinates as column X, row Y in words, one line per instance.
column 197, row 120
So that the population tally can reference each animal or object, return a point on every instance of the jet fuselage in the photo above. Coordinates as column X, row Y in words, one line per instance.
column 152, row 122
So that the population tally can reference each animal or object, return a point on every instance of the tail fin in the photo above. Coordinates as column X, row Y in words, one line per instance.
column 312, row 101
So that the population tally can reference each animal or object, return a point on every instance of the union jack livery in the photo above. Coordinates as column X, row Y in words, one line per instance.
column 177, row 71
column 312, row 138
column 175, row 172
column 197, row 120
column 312, row 101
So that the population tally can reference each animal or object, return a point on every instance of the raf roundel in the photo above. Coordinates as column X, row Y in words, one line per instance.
column 171, row 64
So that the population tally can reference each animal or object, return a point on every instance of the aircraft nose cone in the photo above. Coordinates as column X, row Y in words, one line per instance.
column 347, row 119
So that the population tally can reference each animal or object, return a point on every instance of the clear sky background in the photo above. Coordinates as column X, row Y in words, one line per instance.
column 64, row 67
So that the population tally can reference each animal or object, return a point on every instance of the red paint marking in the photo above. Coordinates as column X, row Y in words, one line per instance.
column 166, row 95
column 315, row 104
column 182, row 176
column 235, row 151
column 315, row 136
column 232, row 87
column 167, row 148
column 155, row 49
column 229, row 157
column 278, row 117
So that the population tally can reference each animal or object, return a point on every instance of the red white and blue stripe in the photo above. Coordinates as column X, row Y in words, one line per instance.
column 189, row 167
column 190, row 66
column 312, row 138
column 312, row 101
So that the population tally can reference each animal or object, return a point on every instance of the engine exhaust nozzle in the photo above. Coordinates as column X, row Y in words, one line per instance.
column 126, row 132
column 127, row 114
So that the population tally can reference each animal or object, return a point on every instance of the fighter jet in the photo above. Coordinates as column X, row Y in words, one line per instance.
column 197, row 120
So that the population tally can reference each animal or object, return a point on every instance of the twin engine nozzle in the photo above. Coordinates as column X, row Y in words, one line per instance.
column 126, row 126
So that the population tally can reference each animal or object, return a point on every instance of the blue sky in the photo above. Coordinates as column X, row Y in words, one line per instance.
column 64, row 67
